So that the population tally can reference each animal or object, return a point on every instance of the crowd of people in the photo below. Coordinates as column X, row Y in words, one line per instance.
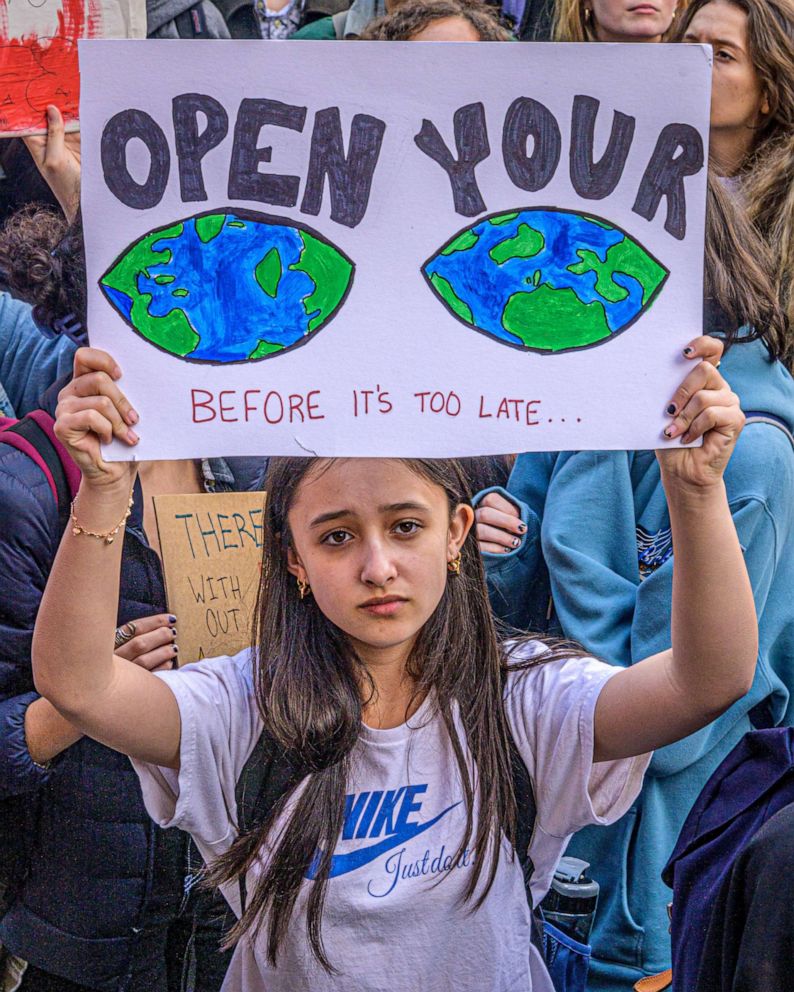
column 380, row 663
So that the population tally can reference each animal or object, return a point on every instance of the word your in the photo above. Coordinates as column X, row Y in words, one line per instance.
column 221, row 531
column 531, row 148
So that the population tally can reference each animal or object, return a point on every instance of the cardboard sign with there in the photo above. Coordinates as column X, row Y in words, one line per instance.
column 211, row 545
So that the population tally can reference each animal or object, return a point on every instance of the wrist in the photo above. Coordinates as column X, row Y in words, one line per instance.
column 684, row 494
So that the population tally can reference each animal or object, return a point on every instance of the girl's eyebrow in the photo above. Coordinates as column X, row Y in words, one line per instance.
column 398, row 507
column 325, row 518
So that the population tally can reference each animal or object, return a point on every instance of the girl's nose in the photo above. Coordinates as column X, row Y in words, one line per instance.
column 378, row 567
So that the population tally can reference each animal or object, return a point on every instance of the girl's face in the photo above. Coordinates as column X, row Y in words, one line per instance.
column 738, row 100
column 373, row 540
column 631, row 20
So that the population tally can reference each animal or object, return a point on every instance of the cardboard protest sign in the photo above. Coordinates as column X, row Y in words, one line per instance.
column 38, row 54
column 402, row 249
column 211, row 545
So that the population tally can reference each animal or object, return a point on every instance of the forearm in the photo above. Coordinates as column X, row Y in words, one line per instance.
column 72, row 653
column 47, row 733
column 714, row 628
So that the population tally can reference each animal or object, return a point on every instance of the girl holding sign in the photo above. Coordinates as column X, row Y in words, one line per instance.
column 377, row 669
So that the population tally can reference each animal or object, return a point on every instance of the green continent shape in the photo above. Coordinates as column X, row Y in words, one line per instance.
column 162, row 280
column 502, row 219
column 463, row 242
column 444, row 289
column 628, row 258
column 268, row 272
column 554, row 319
column 265, row 348
column 329, row 272
column 209, row 226
column 525, row 243
column 172, row 332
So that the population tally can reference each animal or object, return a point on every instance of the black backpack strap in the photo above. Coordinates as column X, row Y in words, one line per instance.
column 267, row 776
column 28, row 429
column 525, row 825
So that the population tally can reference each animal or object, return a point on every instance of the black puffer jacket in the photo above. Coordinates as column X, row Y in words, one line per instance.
column 104, row 885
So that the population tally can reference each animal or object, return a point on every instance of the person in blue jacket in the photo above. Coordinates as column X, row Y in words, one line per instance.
column 579, row 543
column 30, row 360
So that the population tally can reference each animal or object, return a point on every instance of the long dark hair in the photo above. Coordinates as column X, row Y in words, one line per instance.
column 308, row 682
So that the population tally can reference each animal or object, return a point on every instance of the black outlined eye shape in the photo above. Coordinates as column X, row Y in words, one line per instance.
column 545, row 279
column 229, row 286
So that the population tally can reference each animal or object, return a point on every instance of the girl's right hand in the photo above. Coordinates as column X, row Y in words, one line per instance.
column 93, row 410
column 499, row 525
column 153, row 645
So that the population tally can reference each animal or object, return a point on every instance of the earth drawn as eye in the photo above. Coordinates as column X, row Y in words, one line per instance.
column 545, row 279
column 228, row 286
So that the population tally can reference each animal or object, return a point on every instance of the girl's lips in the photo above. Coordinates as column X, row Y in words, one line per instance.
column 385, row 607
column 644, row 8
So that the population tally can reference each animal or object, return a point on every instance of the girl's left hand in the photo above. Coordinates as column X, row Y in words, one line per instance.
column 703, row 406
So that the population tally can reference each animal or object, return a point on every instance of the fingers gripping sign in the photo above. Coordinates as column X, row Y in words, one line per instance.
column 704, row 406
column 91, row 411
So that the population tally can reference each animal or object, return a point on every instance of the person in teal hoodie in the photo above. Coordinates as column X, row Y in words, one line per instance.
column 594, row 562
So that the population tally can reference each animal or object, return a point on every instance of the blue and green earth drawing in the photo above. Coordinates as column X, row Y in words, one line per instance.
column 545, row 279
column 228, row 286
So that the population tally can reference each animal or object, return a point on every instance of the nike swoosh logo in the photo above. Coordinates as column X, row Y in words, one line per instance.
column 341, row 864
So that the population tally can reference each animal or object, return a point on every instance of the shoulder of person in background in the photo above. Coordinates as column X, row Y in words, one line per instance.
column 185, row 19
column 30, row 359
column 346, row 20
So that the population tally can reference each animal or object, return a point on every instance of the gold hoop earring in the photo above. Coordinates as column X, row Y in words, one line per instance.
column 304, row 589
column 453, row 567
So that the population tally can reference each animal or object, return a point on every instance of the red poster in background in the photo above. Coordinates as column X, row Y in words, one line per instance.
column 38, row 54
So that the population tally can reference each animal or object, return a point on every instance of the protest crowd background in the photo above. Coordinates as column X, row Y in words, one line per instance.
column 96, row 896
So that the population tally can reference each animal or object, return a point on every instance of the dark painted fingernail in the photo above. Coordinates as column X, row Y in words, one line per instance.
column 173, row 631
column 671, row 409
column 688, row 350
column 669, row 431
column 507, row 550
column 516, row 541
column 522, row 528
column 176, row 649
column 171, row 618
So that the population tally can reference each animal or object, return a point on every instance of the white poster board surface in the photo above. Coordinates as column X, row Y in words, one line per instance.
column 394, row 249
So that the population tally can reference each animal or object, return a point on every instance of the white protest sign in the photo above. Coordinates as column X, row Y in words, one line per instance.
column 394, row 249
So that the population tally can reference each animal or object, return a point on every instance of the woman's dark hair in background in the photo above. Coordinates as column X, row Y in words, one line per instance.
column 42, row 261
column 739, row 284
column 767, row 186
column 309, row 683
column 414, row 16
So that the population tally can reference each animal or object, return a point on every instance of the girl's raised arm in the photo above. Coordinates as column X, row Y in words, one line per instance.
column 714, row 631
column 122, row 705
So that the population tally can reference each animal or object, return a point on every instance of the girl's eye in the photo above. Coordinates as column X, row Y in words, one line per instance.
column 336, row 538
column 406, row 528
column 724, row 56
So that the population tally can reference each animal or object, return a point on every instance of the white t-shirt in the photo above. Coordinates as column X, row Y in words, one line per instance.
column 388, row 926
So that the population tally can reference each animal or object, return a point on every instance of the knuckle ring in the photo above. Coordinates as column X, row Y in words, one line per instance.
column 124, row 633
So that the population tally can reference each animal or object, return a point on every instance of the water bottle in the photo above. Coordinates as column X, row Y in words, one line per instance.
column 570, row 904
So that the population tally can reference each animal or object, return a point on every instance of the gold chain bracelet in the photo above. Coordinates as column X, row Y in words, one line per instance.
column 107, row 536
